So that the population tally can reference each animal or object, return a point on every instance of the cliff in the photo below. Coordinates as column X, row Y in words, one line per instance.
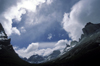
column 8, row 57
column 86, row 52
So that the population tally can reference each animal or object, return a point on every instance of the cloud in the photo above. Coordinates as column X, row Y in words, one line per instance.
column 49, row 36
column 30, row 5
column 22, row 29
column 27, row 52
column 49, row 1
column 47, row 52
column 16, row 31
column 73, row 28
column 61, row 44
column 6, row 19
column 33, row 49
column 82, row 12
column 38, row 20
column 4, row 4
column 34, row 17
column 15, row 11
column 38, row 23
column 43, row 45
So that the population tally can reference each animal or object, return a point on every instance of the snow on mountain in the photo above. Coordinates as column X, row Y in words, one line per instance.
column 91, row 33
column 40, row 59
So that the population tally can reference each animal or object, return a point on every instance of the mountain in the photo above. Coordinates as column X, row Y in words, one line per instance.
column 89, row 29
column 86, row 52
column 53, row 55
column 8, row 57
column 36, row 59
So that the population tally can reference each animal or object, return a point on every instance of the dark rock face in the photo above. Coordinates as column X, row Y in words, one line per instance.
column 90, row 28
column 2, row 31
column 4, row 41
column 8, row 57
column 85, row 53
column 25, row 59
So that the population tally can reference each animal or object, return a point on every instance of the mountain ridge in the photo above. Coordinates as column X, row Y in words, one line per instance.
column 86, row 52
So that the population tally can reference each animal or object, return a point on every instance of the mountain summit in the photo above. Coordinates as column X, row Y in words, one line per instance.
column 91, row 28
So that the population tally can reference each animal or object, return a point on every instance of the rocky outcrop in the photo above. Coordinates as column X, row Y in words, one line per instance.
column 8, row 57
column 73, row 43
column 4, row 41
column 86, row 52
column 90, row 28
column 2, row 31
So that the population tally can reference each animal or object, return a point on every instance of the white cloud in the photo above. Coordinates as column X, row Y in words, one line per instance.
column 40, row 52
column 22, row 29
column 49, row 36
column 47, row 51
column 49, row 1
column 73, row 28
column 33, row 48
column 61, row 44
column 30, row 5
column 43, row 45
column 16, row 11
column 82, row 12
column 27, row 52
column 16, row 31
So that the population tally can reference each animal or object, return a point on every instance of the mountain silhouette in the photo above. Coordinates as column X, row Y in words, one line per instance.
column 86, row 52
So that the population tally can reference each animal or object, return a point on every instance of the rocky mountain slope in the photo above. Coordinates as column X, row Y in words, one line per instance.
column 86, row 52
column 8, row 57
column 36, row 59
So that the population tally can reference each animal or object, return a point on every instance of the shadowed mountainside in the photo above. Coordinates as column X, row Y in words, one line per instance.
column 8, row 57
column 85, row 53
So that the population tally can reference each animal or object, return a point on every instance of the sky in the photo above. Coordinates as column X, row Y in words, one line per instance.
column 42, row 26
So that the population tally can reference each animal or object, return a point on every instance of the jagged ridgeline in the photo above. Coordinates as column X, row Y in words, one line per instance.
column 8, row 57
column 86, row 52
column 4, row 41
column 90, row 29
